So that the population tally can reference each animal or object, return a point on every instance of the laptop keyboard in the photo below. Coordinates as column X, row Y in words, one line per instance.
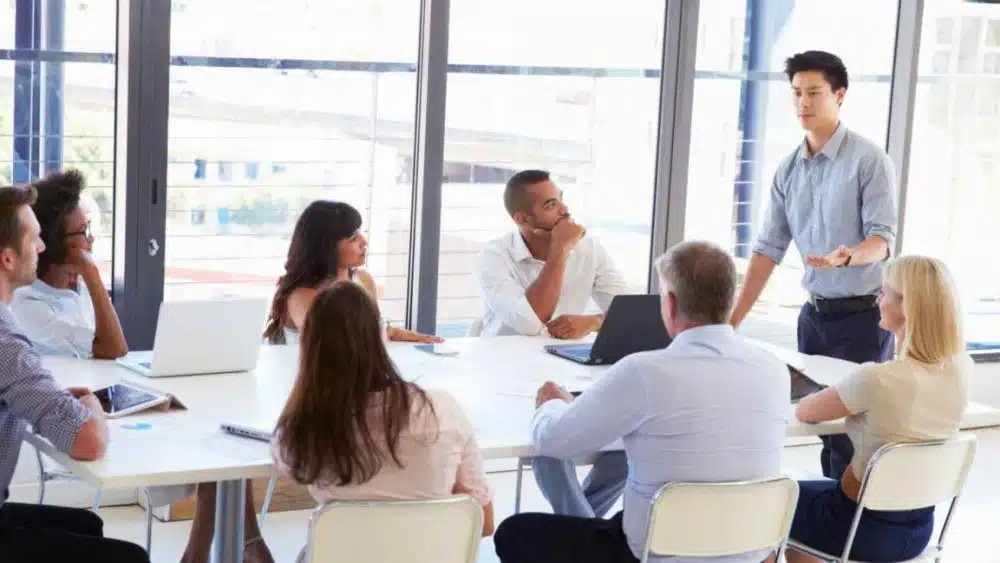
column 147, row 365
column 581, row 352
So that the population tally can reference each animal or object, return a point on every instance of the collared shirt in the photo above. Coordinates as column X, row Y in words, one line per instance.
column 59, row 322
column 844, row 194
column 711, row 407
column 506, row 268
column 29, row 395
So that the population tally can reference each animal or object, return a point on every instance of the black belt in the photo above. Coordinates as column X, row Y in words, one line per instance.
column 843, row 305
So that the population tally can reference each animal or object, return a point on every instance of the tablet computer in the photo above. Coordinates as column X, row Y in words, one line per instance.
column 802, row 384
column 121, row 399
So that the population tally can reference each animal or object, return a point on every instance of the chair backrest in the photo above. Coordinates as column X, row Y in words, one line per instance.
column 906, row 476
column 441, row 530
column 715, row 519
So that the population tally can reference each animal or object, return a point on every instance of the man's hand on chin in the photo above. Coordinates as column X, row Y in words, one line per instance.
column 571, row 327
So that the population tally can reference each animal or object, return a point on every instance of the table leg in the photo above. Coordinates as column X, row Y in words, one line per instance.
column 230, row 498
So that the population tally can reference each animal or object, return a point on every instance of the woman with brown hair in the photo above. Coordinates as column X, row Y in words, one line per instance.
column 354, row 429
column 326, row 246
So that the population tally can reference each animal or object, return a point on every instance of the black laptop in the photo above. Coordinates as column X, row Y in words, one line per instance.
column 632, row 324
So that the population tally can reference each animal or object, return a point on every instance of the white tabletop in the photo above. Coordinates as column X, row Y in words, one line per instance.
column 494, row 380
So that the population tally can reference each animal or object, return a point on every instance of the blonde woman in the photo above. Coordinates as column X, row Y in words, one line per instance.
column 919, row 396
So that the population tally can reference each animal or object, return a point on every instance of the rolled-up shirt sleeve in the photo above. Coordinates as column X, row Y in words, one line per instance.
column 879, row 216
column 29, row 391
column 775, row 234
column 504, row 296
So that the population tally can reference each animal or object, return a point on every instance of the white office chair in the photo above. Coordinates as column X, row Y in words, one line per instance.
column 446, row 530
column 523, row 462
column 46, row 474
column 719, row 519
column 907, row 477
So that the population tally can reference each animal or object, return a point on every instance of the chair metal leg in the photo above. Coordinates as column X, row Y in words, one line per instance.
column 517, row 487
column 43, row 477
column 267, row 500
column 149, row 520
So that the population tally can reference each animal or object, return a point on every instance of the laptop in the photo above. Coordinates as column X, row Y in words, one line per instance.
column 255, row 429
column 202, row 337
column 632, row 324
column 984, row 351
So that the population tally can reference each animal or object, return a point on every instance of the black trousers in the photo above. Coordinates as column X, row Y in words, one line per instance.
column 855, row 337
column 31, row 533
column 552, row 538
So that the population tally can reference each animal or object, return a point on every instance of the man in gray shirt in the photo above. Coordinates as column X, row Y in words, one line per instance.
column 710, row 407
column 835, row 196
column 72, row 419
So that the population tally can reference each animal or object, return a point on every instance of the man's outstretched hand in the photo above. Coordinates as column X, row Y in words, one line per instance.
column 835, row 259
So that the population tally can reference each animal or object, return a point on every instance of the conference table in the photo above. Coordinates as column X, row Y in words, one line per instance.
column 494, row 379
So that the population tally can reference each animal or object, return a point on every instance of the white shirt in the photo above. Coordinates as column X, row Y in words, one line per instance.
column 505, row 269
column 710, row 407
column 59, row 322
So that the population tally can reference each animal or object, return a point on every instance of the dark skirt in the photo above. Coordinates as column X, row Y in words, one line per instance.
column 823, row 519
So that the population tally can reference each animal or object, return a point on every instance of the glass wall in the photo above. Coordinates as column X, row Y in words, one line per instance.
column 954, row 172
column 57, row 101
column 267, row 114
column 743, row 118
column 294, row 102
column 529, row 87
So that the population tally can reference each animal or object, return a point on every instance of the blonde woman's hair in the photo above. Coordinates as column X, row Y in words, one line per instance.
column 931, row 305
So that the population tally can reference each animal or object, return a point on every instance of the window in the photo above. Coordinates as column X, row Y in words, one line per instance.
column 742, row 118
column 954, row 178
column 252, row 170
column 58, row 108
column 225, row 171
column 317, row 106
column 553, row 106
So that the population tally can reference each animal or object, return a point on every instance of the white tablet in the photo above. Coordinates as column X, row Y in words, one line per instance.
column 122, row 399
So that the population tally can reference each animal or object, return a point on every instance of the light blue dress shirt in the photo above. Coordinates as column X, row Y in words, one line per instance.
column 711, row 407
column 844, row 194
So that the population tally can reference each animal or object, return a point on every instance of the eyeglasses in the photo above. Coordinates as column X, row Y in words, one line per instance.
column 86, row 232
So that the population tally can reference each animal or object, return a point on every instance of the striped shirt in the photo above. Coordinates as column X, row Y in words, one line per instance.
column 29, row 395
column 844, row 194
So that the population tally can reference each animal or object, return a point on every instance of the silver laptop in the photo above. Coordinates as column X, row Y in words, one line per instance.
column 202, row 337
column 251, row 428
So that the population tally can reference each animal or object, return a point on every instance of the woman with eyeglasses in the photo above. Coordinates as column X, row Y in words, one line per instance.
column 67, row 310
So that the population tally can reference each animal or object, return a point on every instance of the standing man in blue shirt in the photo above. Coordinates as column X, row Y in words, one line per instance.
column 835, row 197
column 71, row 419
column 710, row 407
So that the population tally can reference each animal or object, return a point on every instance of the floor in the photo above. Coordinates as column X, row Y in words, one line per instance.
column 971, row 536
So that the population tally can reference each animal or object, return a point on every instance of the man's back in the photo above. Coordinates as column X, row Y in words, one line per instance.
column 716, row 410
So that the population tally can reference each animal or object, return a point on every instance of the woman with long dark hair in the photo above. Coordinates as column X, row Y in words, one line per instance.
column 326, row 246
column 354, row 429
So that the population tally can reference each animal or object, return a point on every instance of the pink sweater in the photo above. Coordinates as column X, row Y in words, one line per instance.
column 439, row 457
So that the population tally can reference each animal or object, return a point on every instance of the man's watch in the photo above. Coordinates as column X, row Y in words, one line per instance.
column 847, row 262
